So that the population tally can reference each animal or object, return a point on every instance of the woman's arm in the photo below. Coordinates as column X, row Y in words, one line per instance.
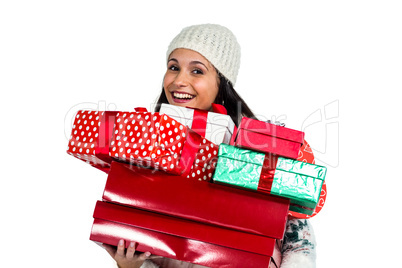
column 298, row 248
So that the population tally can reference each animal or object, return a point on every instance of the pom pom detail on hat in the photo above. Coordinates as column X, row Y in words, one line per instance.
column 215, row 42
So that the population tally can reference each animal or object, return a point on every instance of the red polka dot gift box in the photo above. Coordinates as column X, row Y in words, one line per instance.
column 155, row 140
column 90, row 137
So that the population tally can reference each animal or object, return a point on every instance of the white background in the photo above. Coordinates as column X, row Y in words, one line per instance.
column 300, row 59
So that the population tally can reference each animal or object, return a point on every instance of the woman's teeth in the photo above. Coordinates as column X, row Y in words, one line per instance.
column 182, row 96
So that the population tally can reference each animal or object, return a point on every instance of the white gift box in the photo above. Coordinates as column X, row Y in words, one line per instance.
column 219, row 127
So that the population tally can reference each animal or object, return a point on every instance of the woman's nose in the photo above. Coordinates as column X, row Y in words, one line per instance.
column 181, row 80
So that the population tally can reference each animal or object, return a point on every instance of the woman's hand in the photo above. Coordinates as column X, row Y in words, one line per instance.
column 126, row 258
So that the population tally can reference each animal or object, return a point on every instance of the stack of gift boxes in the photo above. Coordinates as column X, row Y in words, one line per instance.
column 186, row 184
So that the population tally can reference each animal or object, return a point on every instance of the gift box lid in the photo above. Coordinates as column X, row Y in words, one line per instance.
column 188, row 113
column 302, row 168
column 239, row 154
column 184, row 228
column 271, row 129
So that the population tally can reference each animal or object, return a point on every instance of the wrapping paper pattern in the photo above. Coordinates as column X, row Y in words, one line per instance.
column 306, row 155
column 84, row 141
column 156, row 140
column 299, row 181
column 202, row 171
column 239, row 167
column 84, row 134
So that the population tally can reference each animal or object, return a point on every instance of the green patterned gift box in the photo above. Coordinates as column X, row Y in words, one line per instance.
column 298, row 181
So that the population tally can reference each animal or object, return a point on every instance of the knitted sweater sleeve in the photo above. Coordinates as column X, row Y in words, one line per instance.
column 299, row 245
column 149, row 264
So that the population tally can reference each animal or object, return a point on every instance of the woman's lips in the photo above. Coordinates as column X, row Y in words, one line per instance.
column 181, row 97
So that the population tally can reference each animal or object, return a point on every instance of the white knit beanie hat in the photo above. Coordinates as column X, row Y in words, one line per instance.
column 216, row 43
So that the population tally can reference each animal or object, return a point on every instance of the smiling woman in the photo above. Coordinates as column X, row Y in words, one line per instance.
column 202, row 66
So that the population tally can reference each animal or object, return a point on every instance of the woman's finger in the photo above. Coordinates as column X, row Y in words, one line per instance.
column 144, row 256
column 120, row 248
column 130, row 250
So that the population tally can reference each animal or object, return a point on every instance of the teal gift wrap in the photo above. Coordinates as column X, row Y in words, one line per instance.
column 298, row 181
column 239, row 167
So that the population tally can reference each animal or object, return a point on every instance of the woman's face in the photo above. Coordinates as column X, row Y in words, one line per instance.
column 190, row 80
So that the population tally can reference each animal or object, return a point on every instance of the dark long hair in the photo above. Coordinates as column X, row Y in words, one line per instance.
column 227, row 96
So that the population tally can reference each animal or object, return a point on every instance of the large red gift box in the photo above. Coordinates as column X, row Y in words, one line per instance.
column 268, row 138
column 203, row 202
column 180, row 239
column 158, row 141
column 90, row 137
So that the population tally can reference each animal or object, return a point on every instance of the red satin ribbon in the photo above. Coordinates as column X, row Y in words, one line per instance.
column 267, row 173
column 233, row 138
column 105, row 136
column 199, row 124
column 141, row 109
column 189, row 152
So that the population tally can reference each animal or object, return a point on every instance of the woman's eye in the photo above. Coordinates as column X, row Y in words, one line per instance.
column 198, row 71
column 173, row 68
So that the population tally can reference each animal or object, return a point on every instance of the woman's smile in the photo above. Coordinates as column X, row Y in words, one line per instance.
column 181, row 97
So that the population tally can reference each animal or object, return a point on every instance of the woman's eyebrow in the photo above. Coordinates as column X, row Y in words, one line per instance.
column 199, row 62
column 194, row 62
column 173, row 59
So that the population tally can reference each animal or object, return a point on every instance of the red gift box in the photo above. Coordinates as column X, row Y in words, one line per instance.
column 180, row 239
column 156, row 140
column 268, row 138
column 90, row 137
column 204, row 202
